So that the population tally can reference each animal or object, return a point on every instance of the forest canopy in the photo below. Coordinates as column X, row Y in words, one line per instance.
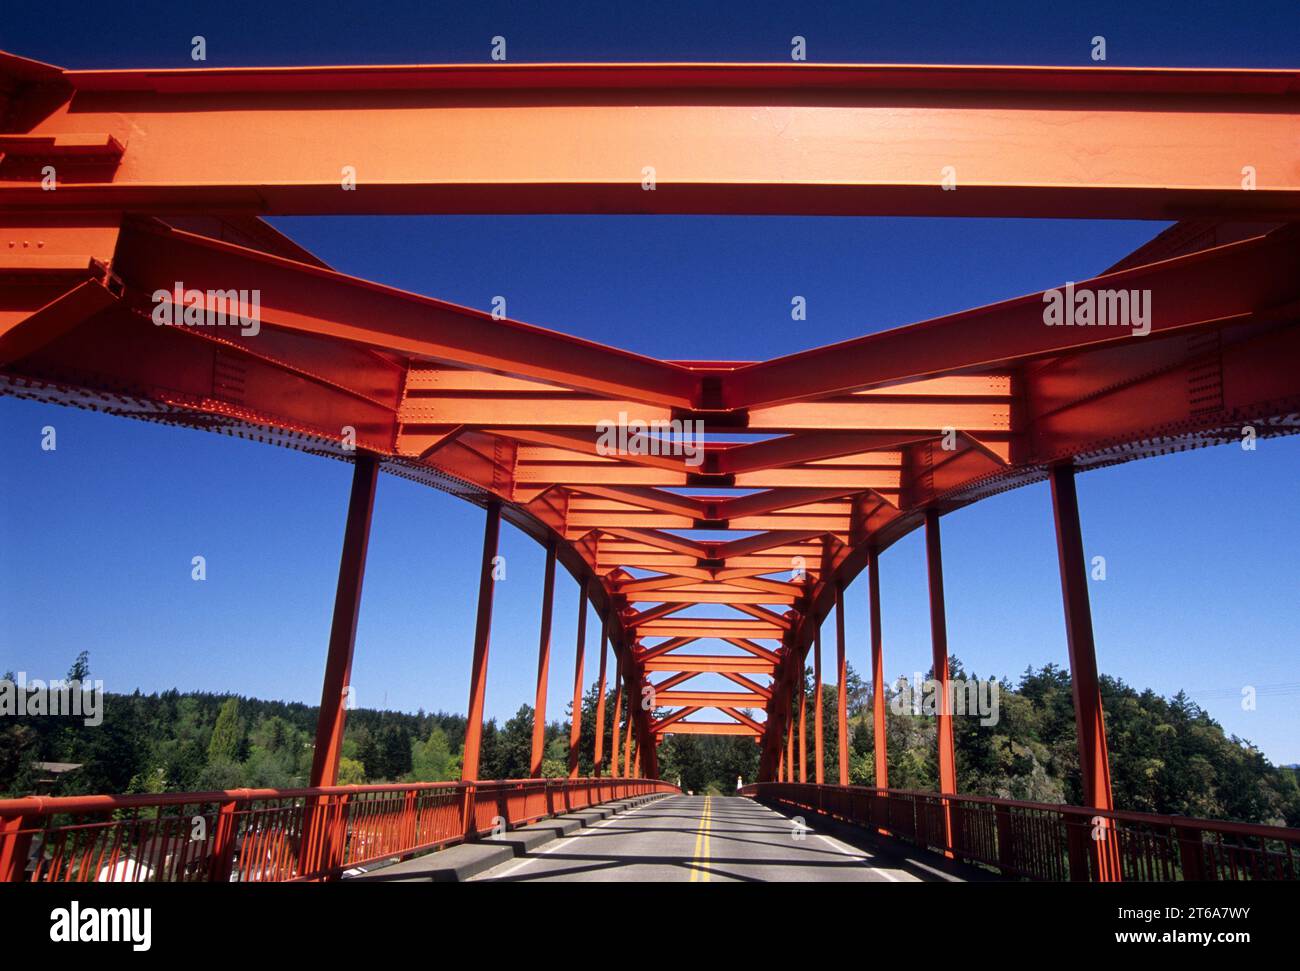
column 1167, row 754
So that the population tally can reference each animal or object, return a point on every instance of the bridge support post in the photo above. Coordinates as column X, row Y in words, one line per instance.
column 616, row 728
column 627, row 743
column 842, row 694
column 543, row 664
column 789, row 743
column 939, row 649
column 1094, row 759
column 478, row 670
column 598, row 758
column 575, row 722
column 343, row 629
column 818, row 744
column 877, row 673
column 803, row 726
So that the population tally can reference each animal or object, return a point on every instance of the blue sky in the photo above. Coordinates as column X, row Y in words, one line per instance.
column 96, row 538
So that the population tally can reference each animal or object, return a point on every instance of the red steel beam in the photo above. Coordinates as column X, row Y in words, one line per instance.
column 722, row 138
column 598, row 757
column 482, row 630
column 711, row 699
column 343, row 630
column 803, row 726
column 702, row 663
column 939, row 652
column 319, row 301
column 575, row 720
column 710, row 728
column 842, row 686
column 818, row 747
column 618, row 712
column 879, row 725
column 1235, row 280
column 543, row 664
column 1094, row 758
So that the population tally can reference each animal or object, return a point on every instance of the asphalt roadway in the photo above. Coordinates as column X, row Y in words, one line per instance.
column 706, row 839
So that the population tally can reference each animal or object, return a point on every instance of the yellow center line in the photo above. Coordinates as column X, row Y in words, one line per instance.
column 698, row 871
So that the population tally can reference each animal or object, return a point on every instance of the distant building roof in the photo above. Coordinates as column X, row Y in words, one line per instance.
column 58, row 768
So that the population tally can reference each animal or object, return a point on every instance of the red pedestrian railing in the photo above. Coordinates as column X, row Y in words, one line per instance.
column 261, row 835
column 1041, row 841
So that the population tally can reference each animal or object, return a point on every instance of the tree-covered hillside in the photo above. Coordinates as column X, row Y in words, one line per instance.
column 1167, row 755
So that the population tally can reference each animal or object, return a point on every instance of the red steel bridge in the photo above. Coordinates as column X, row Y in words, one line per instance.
column 118, row 184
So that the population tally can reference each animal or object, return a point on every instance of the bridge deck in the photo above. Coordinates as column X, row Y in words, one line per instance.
column 706, row 838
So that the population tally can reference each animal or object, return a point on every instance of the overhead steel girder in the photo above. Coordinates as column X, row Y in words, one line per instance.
column 709, row 728
column 700, row 663
column 321, row 302
column 1238, row 280
column 714, row 138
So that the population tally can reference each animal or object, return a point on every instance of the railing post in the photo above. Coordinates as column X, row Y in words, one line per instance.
column 939, row 650
column 16, row 834
column 1191, row 853
column 338, row 845
column 1006, row 840
column 222, row 861
column 543, row 663
column 1079, row 844
column 575, row 721
column 410, row 820
column 1094, row 760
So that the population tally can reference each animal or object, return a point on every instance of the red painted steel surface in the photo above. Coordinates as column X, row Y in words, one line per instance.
column 256, row 835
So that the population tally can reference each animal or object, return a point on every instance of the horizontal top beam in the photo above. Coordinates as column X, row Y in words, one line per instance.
column 678, row 138
column 691, row 76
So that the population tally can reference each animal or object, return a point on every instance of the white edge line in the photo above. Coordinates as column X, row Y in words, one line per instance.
column 555, row 843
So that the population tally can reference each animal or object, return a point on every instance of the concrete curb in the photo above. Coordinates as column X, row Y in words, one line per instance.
column 458, row 863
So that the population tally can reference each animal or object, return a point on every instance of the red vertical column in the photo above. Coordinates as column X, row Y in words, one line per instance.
column 1094, row 759
column 803, row 727
column 842, row 694
column 789, row 745
column 877, row 673
column 543, row 664
column 343, row 629
column 482, row 628
column 939, row 648
column 618, row 709
column 575, row 722
column 818, row 745
column 627, row 746
column 598, row 759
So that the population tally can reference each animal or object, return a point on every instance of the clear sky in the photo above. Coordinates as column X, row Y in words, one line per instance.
column 96, row 538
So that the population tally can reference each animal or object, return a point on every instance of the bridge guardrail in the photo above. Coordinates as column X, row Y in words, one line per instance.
column 260, row 835
column 1043, row 841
